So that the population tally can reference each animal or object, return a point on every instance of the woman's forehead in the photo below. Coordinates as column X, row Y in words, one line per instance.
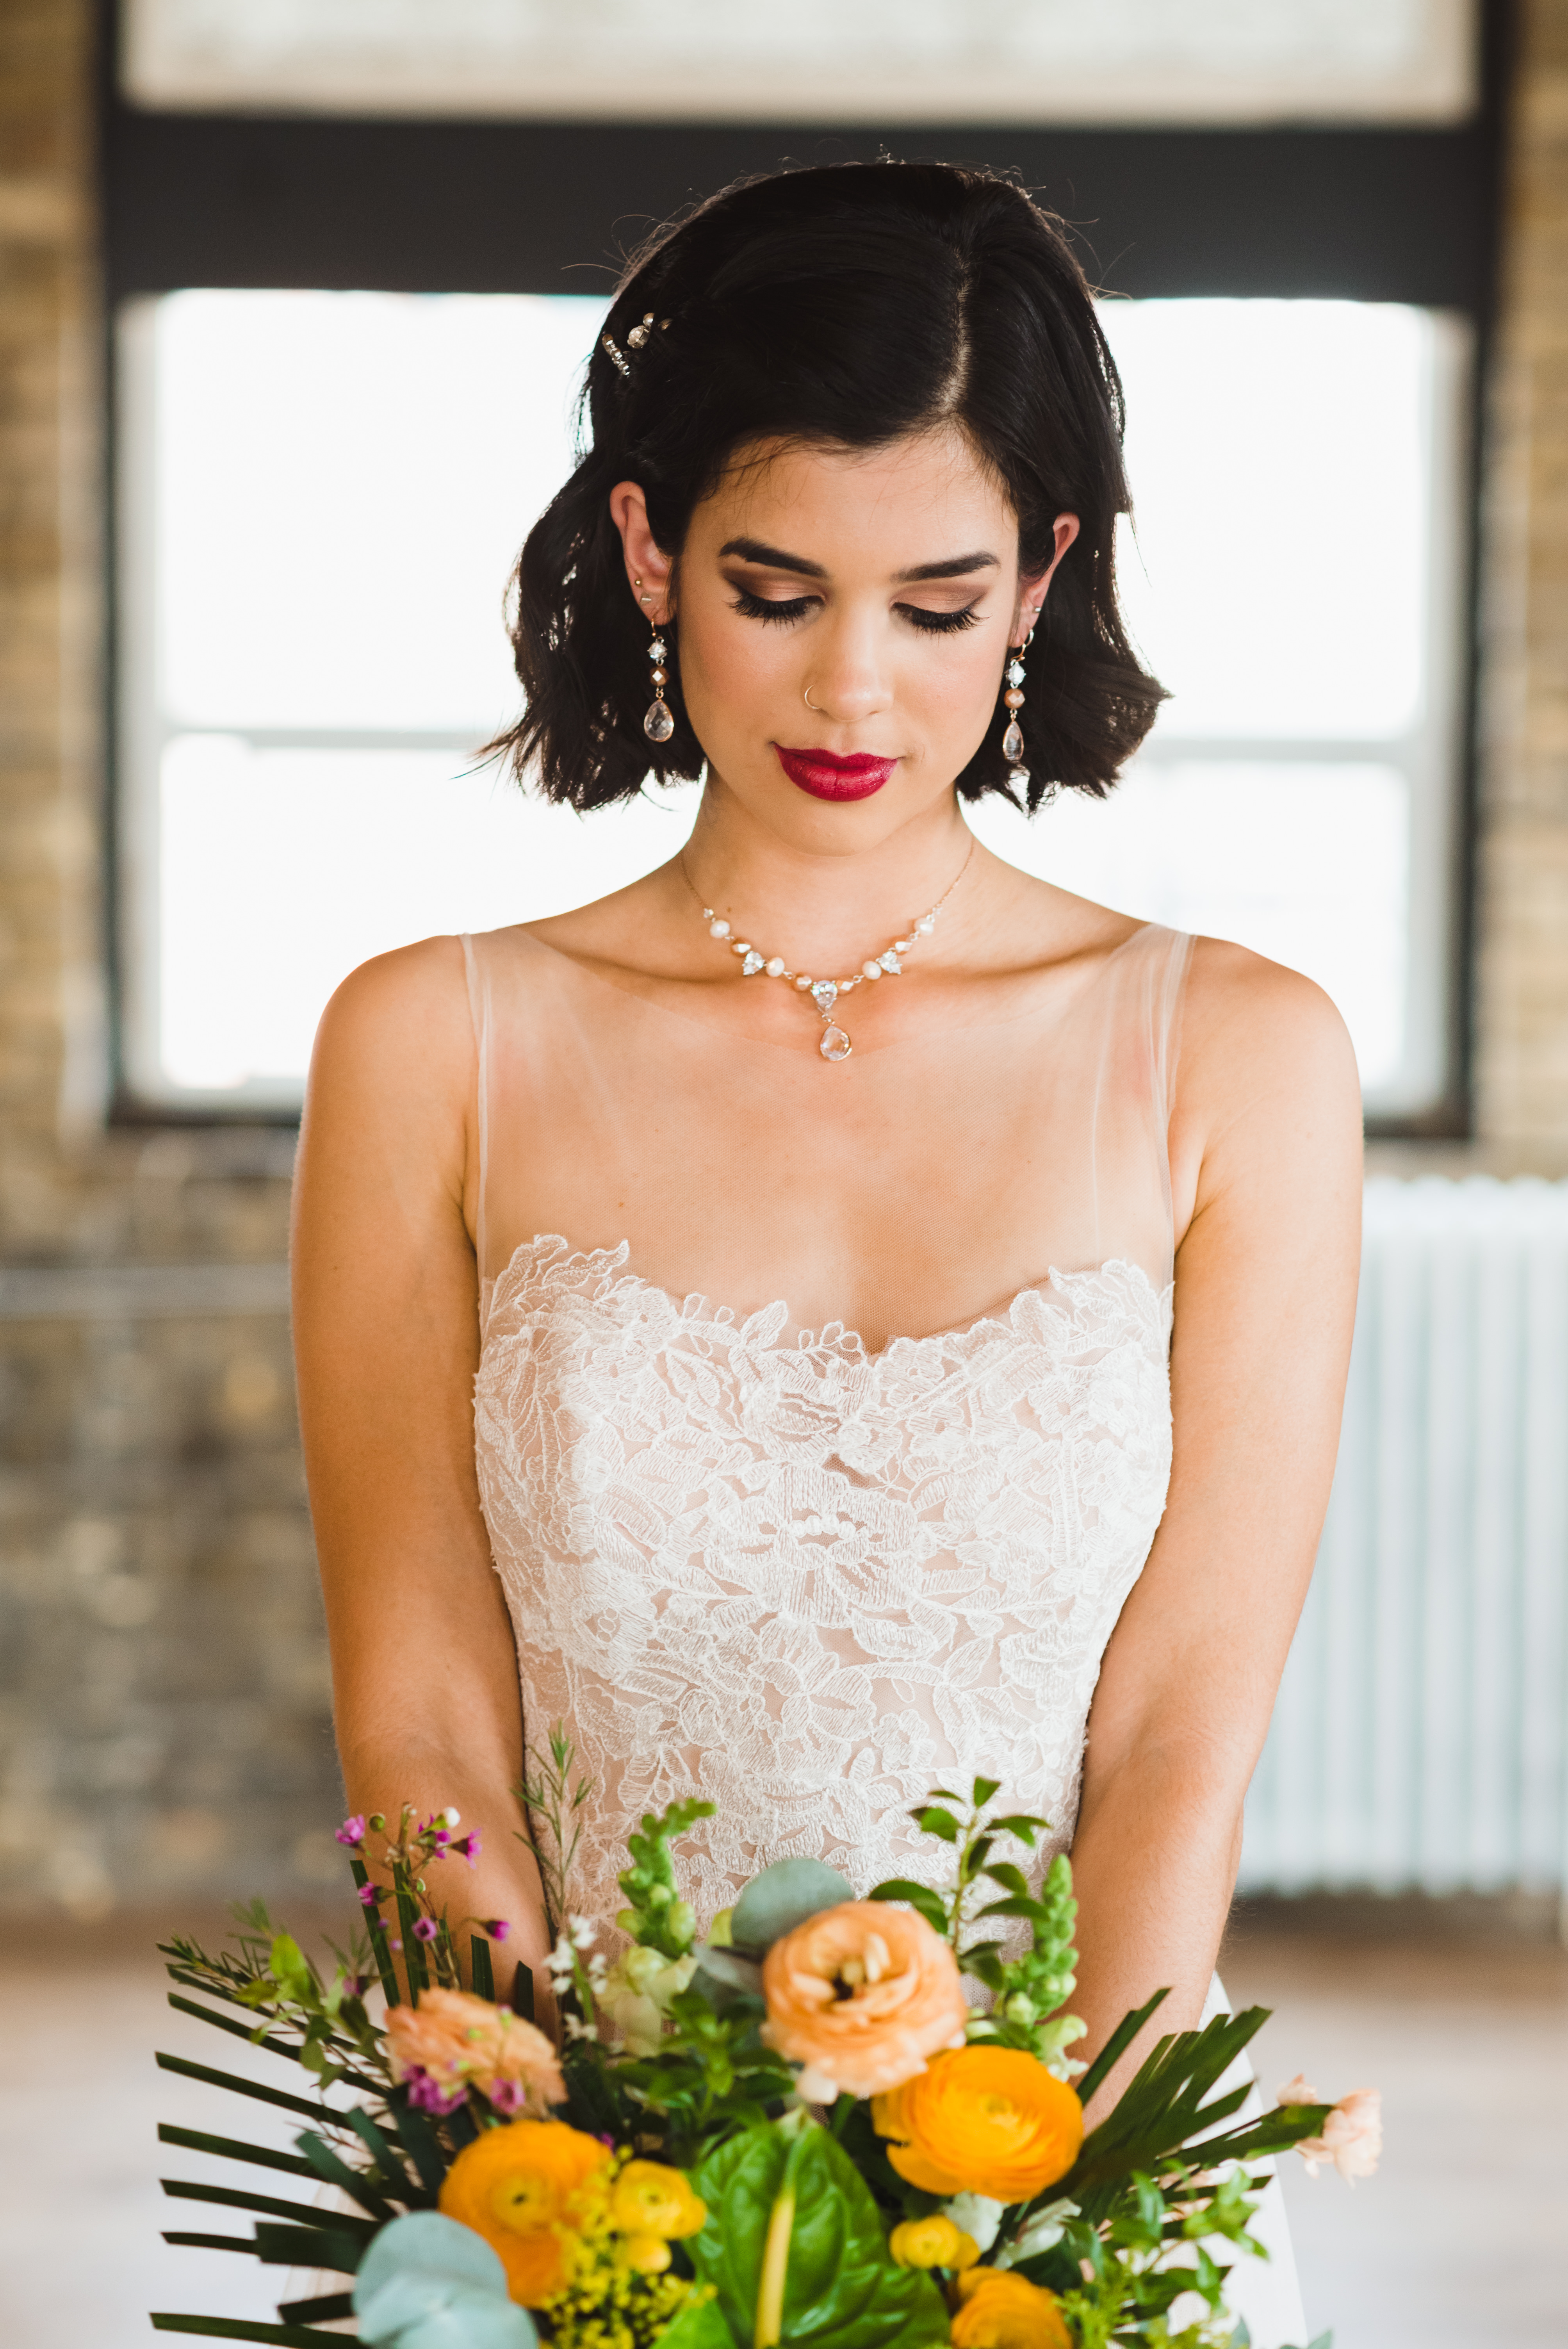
column 906, row 503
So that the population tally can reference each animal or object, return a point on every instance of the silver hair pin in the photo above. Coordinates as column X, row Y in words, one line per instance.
column 635, row 339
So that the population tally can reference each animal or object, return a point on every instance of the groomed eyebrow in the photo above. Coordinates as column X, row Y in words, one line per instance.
column 775, row 558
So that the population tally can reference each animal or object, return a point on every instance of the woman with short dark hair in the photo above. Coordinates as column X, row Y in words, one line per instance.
column 741, row 1310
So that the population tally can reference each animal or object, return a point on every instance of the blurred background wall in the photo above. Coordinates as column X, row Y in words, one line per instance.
column 164, row 1721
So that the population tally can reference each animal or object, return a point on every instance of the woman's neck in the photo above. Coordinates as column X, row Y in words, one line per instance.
column 821, row 905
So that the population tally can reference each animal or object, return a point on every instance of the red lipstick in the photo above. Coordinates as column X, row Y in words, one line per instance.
column 827, row 775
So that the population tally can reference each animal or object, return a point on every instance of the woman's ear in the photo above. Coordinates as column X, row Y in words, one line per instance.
column 1032, row 590
column 649, row 573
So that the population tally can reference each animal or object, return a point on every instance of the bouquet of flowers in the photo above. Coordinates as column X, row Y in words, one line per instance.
column 798, row 2127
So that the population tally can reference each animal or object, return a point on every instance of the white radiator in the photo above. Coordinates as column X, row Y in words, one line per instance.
column 1421, row 1735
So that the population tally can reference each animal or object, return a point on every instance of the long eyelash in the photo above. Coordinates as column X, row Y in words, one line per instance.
column 938, row 624
column 795, row 607
column 757, row 607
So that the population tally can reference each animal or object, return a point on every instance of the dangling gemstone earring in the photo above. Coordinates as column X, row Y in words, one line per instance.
column 658, row 725
column 1013, row 739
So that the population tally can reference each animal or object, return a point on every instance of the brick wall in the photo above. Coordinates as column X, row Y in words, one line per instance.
column 1521, row 1003
column 163, row 1703
column 163, row 1707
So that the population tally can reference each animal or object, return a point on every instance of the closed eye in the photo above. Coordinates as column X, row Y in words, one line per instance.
column 795, row 607
column 937, row 623
column 764, row 607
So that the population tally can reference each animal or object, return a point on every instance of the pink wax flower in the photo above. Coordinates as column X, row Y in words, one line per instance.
column 352, row 1832
column 497, row 1929
column 426, row 1929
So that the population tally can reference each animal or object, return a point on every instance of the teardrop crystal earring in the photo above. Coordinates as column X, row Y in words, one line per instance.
column 658, row 724
column 1013, row 739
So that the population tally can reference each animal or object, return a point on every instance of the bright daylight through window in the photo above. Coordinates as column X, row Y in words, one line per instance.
column 322, row 494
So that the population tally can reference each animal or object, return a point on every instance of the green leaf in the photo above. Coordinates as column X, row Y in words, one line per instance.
column 935, row 1822
column 1011, row 1880
column 780, row 1897
column 918, row 1896
column 841, row 2290
column 479, row 1967
column 384, row 1965
column 188, row 2071
column 1116, row 2045
column 702, row 2327
column 419, row 2141
column 398, row 2179
column 230, row 2149
column 984, row 1790
column 1022, row 1824
column 308, row 2247
column 331, row 2303
column 234, row 2198
column 236, row 2328
column 213, row 2242
column 413, row 1948
column 321, row 2158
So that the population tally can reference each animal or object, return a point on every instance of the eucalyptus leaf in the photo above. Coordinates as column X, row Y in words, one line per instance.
column 841, row 2290
column 782, row 1897
column 728, row 1967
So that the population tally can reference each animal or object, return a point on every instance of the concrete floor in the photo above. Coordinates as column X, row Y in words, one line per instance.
column 1462, row 2238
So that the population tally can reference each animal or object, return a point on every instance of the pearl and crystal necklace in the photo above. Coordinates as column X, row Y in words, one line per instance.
column 833, row 1043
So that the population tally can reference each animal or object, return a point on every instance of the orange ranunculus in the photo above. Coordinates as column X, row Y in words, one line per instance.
column 860, row 1996
column 982, row 2120
column 518, row 2186
column 1001, row 2311
column 457, row 2039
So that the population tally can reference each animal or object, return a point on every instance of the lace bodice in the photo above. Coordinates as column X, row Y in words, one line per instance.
column 807, row 1582
column 766, row 1566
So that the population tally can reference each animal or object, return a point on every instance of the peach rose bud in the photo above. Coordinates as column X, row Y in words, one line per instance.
column 1352, row 2136
column 860, row 1996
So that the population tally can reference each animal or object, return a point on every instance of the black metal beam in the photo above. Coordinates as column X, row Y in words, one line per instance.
column 1373, row 215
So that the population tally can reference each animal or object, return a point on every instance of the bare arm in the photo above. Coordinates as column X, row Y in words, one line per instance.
column 1267, row 1146
column 425, row 1682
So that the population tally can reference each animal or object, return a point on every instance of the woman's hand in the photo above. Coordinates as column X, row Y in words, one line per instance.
column 1266, row 1173
column 385, row 1325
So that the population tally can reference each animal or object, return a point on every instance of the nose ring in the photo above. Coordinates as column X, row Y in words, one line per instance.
column 806, row 698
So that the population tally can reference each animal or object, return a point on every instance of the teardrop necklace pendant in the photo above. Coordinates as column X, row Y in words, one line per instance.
column 833, row 1043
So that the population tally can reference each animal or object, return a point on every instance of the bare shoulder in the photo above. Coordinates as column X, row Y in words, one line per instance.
column 1267, row 1077
column 392, row 1076
column 406, row 1008
column 1245, row 1017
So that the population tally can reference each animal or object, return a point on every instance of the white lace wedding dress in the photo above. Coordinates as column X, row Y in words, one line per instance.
column 752, row 1560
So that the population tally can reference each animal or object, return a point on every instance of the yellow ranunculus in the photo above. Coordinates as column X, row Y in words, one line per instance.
column 520, row 2188
column 1001, row 2311
column 645, row 2254
column 933, row 2242
column 647, row 2199
column 982, row 2120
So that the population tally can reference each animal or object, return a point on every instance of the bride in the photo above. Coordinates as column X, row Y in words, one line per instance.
column 839, row 1314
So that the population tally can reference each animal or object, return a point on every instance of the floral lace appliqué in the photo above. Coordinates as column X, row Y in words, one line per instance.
column 802, row 1580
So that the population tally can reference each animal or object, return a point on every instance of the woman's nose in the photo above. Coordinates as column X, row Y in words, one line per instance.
column 844, row 678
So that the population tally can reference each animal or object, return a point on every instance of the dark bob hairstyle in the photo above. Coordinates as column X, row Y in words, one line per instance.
column 842, row 308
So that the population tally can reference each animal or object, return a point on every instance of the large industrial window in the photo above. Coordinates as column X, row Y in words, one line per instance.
column 321, row 497
column 344, row 358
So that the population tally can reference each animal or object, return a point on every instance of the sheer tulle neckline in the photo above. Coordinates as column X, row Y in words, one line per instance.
column 549, row 1258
